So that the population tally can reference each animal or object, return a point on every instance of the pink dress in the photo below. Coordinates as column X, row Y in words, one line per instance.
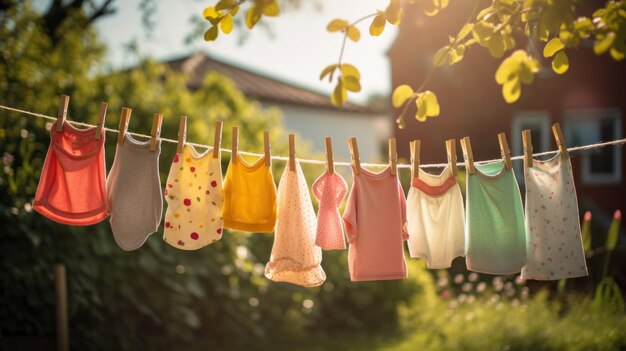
column 329, row 190
column 375, row 219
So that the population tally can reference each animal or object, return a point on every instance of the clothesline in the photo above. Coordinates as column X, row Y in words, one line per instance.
column 321, row 162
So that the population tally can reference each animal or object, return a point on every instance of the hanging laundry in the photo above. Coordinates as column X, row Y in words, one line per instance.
column 554, row 246
column 72, row 185
column 134, row 193
column 329, row 190
column 494, row 231
column 375, row 220
column 435, row 217
column 249, row 196
column 194, row 200
column 295, row 258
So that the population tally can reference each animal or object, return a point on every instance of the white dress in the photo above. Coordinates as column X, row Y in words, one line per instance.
column 436, row 219
column 554, row 246
column 295, row 258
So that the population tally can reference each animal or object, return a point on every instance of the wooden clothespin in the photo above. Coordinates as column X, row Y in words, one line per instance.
column 62, row 113
column 468, row 155
column 217, row 139
column 182, row 134
column 155, row 133
column 101, row 117
column 505, row 152
column 330, row 163
column 528, row 148
column 234, row 146
column 415, row 156
column 451, row 151
column 393, row 156
column 560, row 140
column 266, row 148
column 292, row 153
column 354, row 152
column 124, row 119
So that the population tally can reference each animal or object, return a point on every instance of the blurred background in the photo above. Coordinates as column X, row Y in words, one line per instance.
column 149, row 55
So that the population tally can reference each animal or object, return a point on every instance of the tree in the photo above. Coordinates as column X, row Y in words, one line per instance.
column 495, row 27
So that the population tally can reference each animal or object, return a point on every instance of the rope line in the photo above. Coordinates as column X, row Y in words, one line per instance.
column 321, row 162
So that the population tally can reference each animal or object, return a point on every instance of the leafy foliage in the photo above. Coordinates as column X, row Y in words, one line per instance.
column 156, row 297
column 496, row 28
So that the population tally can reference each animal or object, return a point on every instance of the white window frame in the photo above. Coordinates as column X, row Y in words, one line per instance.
column 588, row 177
column 541, row 120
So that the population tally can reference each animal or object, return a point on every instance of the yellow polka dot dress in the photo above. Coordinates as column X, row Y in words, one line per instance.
column 295, row 258
column 194, row 197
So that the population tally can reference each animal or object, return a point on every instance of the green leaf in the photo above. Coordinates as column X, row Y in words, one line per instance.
column 253, row 16
column 507, row 70
column 420, row 113
column 226, row 24
column 326, row 71
column 211, row 34
column 485, row 13
column 440, row 56
column 552, row 47
column 617, row 54
column 611, row 238
column 394, row 13
column 601, row 46
column 465, row 31
column 271, row 9
column 354, row 33
column 340, row 95
column 349, row 70
column 511, row 90
column 209, row 12
column 378, row 25
column 432, row 105
column 482, row 31
column 224, row 4
column 352, row 84
column 496, row 45
column 560, row 64
column 456, row 54
column 337, row 25
column 401, row 94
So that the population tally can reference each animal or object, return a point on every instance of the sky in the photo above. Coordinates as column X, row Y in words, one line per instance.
column 296, row 50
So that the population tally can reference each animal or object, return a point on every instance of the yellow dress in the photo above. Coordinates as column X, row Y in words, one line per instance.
column 194, row 200
column 249, row 196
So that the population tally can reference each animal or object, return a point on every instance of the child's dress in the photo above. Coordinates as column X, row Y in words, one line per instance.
column 295, row 258
column 436, row 217
column 249, row 196
column 194, row 200
column 329, row 190
column 72, row 187
column 134, row 193
column 375, row 220
column 494, row 232
column 554, row 246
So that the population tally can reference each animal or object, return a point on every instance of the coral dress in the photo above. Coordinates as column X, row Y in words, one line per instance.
column 72, row 187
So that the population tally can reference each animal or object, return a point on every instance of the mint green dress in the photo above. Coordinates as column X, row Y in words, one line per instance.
column 494, row 232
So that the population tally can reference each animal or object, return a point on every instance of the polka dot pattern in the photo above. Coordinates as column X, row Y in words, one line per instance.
column 194, row 214
column 295, row 258
column 553, row 240
column 330, row 190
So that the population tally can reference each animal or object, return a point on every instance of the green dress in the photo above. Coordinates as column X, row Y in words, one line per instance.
column 494, row 232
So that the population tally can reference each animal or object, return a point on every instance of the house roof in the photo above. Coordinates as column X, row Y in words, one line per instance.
column 256, row 85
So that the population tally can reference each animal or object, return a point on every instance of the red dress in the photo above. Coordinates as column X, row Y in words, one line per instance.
column 72, row 187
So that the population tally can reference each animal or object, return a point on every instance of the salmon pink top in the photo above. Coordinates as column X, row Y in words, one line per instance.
column 329, row 190
column 375, row 220
column 72, row 186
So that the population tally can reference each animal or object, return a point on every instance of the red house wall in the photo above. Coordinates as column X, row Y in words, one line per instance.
column 471, row 100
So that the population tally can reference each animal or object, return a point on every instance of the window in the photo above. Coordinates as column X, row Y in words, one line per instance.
column 582, row 127
column 538, row 122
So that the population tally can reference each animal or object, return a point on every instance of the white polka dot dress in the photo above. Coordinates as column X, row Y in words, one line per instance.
column 295, row 258
column 553, row 240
